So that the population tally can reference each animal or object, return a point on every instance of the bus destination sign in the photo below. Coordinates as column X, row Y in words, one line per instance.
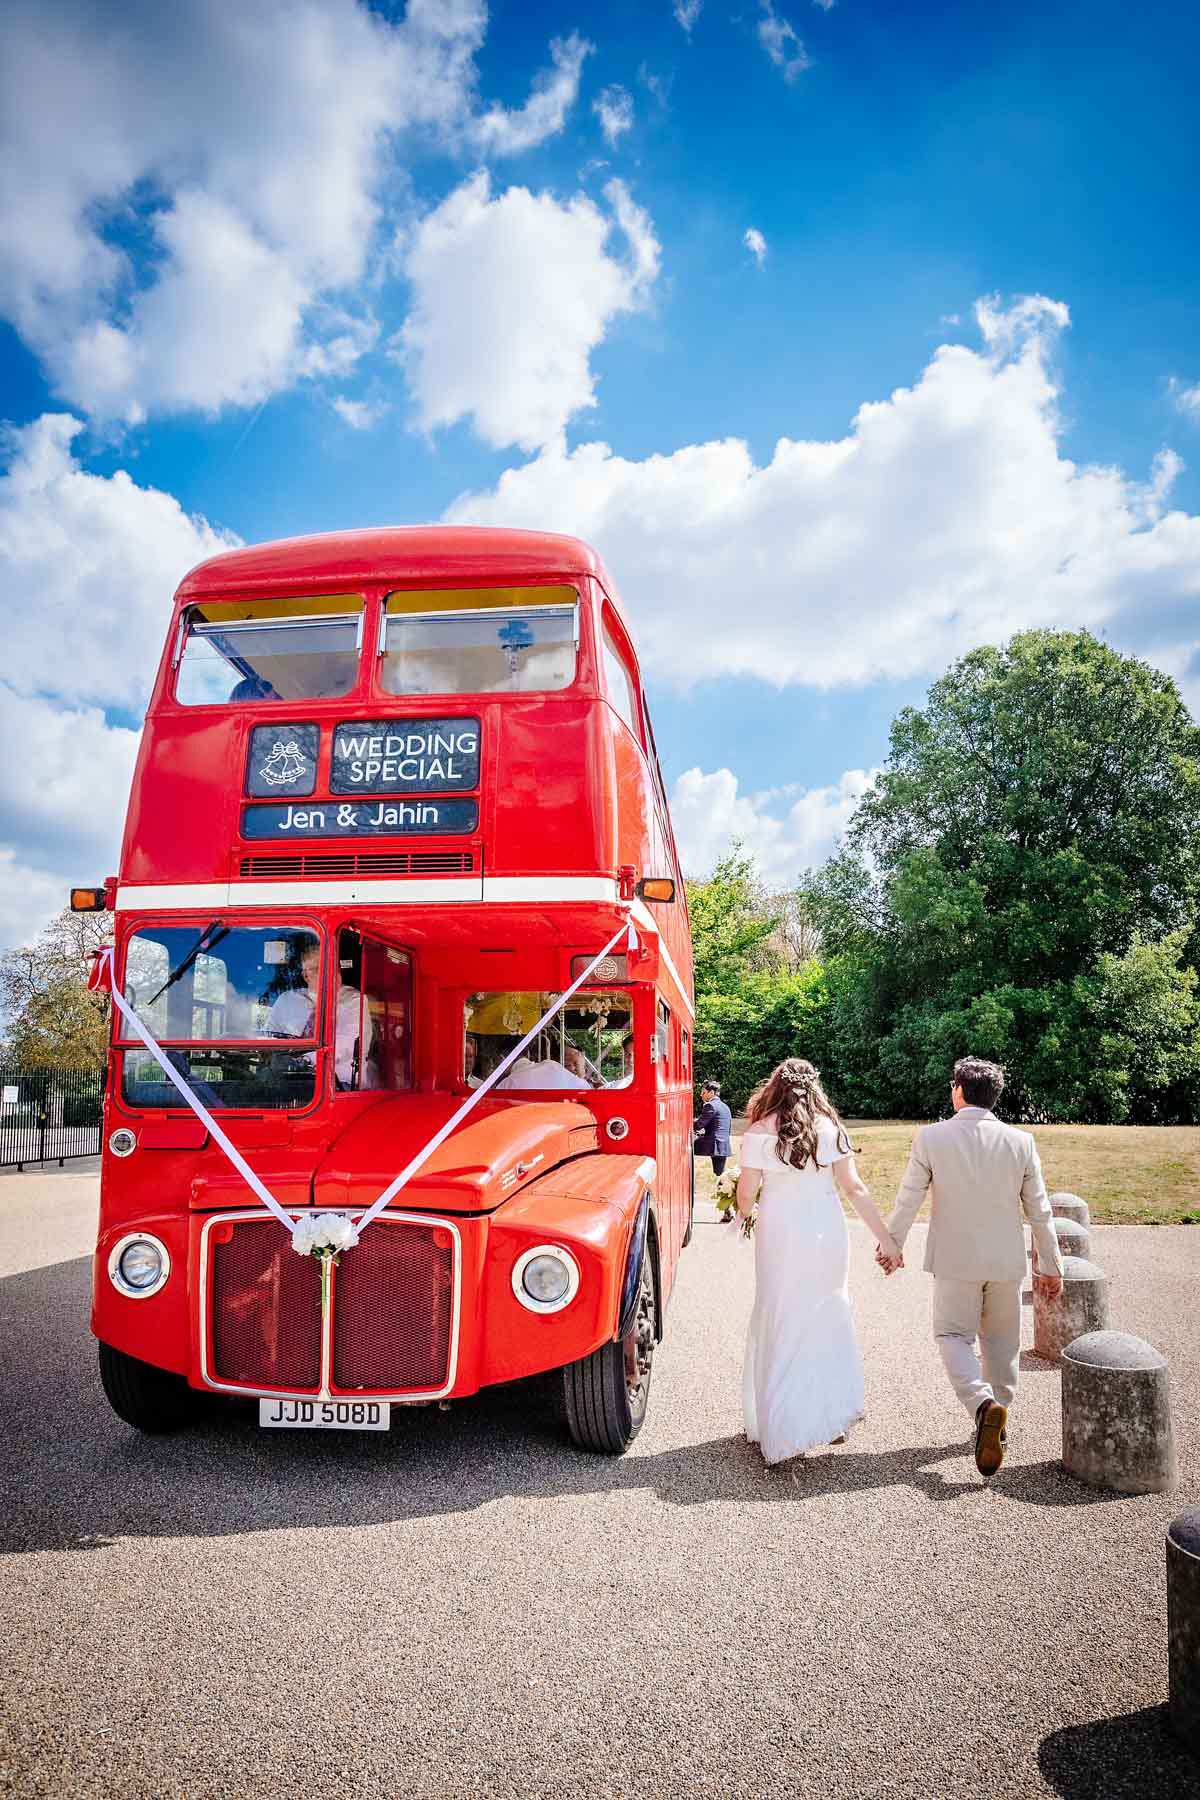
column 413, row 756
column 362, row 818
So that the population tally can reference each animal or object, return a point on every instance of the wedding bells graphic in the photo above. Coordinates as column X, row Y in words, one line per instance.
column 286, row 763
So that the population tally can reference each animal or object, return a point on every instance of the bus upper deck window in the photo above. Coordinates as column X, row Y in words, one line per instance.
column 480, row 641
column 233, row 653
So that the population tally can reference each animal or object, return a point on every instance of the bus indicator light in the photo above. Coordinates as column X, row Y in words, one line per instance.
column 659, row 889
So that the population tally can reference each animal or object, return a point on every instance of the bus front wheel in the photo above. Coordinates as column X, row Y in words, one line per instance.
column 607, row 1392
column 147, row 1398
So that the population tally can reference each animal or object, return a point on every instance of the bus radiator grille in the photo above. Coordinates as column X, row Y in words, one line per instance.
column 392, row 1309
column 266, row 1316
column 377, row 862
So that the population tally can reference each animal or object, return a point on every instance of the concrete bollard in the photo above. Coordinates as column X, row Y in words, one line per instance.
column 1116, row 1414
column 1081, row 1307
column 1070, row 1206
column 1073, row 1239
column 1183, row 1626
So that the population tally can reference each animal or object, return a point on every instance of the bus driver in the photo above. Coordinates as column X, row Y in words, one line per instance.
column 293, row 1013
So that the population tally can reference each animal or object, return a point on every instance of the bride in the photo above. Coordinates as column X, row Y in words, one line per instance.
column 803, row 1379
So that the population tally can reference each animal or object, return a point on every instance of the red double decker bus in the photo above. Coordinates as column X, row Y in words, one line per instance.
column 396, row 790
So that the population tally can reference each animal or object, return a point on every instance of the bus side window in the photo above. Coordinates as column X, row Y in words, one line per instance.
column 373, row 1046
column 662, row 1038
column 619, row 683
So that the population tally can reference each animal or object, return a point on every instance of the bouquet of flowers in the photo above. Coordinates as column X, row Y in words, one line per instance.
column 324, row 1234
column 725, row 1201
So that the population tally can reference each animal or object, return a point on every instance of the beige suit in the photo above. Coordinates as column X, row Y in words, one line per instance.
column 985, row 1181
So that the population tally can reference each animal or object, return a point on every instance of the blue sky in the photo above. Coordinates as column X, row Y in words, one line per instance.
column 388, row 288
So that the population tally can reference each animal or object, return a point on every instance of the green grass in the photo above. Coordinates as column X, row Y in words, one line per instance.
column 1128, row 1174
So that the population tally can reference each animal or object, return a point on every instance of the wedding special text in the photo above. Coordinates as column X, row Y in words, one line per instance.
column 402, row 757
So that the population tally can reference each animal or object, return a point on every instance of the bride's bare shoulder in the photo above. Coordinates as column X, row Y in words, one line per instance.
column 763, row 1127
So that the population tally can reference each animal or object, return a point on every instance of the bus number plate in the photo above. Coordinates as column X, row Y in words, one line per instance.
column 326, row 1415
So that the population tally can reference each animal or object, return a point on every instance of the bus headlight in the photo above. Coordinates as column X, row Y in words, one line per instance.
column 546, row 1278
column 122, row 1142
column 138, row 1265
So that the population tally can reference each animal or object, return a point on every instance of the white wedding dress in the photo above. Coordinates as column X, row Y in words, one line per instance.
column 802, row 1384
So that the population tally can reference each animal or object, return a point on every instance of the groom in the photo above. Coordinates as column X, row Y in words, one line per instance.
column 985, row 1180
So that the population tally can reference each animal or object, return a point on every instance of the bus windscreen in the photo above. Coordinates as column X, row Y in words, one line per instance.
column 588, row 1044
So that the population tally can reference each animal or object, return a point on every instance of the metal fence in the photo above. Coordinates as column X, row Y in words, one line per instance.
column 48, row 1115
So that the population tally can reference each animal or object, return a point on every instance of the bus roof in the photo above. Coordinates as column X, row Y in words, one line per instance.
column 396, row 553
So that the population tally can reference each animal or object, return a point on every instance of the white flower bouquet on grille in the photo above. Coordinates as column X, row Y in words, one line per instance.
column 324, row 1234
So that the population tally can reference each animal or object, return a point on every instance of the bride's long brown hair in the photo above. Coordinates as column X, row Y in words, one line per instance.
column 793, row 1093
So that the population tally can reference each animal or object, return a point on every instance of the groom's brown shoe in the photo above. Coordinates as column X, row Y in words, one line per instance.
column 991, row 1438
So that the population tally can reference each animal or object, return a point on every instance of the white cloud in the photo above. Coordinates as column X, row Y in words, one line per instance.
column 786, row 830
column 63, row 802
column 29, row 899
column 825, row 5
column 1185, row 399
column 190, row 196
column 658, row 87
column 510, row 296
column 62, row 807
column 947, row 517
column 614, row 109
column 687, row 12
column 756, row 244
column 782, row 43
column 360, row 415
column 501, row 132
column 88, row 568
column 1031, row 318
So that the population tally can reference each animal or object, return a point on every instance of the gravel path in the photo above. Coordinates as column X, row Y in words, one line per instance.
column 470, row 1607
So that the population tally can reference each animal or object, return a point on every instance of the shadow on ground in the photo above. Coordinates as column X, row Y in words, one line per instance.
column 77, row 1478
column 1132, row 1757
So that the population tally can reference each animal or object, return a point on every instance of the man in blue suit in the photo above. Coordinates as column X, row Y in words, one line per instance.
column 711, row 1126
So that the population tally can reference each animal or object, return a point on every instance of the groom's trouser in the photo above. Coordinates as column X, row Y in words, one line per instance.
column 991, row 1312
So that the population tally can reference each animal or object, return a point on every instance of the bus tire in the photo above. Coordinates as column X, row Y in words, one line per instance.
column 149, row 1399
column 687, row 1236
column 607, row 1393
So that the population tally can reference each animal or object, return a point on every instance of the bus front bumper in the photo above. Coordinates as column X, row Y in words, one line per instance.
column 424, row 1307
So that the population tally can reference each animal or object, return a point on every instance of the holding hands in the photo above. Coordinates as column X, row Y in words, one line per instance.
column 888, row 1254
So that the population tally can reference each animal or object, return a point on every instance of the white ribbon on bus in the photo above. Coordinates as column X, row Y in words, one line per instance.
column 406, row 1174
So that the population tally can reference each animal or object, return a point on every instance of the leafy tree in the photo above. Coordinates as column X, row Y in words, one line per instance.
column 1022, row 878
column 53, row 1022
column 1042, row 809
column 1139, row 1015
column 733, row 923
column 757, row 999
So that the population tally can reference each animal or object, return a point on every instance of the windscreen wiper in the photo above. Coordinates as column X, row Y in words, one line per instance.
column 204, row 942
